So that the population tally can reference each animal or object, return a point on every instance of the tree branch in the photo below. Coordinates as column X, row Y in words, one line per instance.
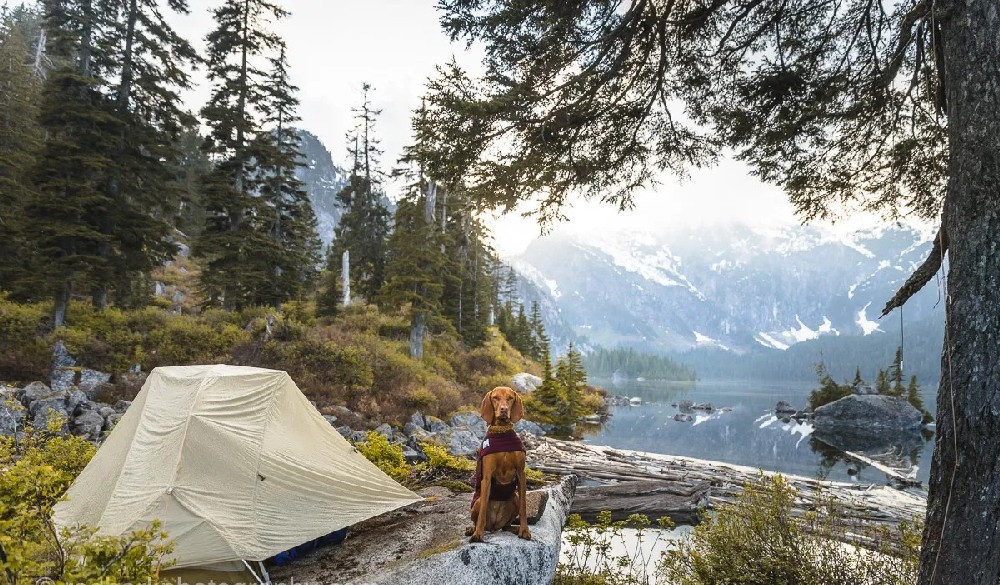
column 922, row 275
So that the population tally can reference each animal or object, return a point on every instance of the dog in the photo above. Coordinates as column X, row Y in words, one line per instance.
column 500, row 463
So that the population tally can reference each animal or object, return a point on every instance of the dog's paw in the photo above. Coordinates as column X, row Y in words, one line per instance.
column 470, row 530
column 525, row 534
column 476, row 538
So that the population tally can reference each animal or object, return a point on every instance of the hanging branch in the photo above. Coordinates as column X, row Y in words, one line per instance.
column 922, row 275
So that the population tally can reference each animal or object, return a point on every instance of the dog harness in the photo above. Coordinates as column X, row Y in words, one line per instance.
column 505, row 442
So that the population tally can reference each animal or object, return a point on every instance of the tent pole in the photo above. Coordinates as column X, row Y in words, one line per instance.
column 254, row 573
column 263, row 571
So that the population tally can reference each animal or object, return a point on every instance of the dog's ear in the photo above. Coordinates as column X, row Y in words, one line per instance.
column 486, row 410
column 517, row 410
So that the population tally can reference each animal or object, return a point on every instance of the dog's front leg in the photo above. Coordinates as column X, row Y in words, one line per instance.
column 522, row 503
column 484, row 502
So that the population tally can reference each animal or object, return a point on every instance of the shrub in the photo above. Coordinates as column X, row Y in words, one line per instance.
column 24, row 353
column 591, row 557
column 385, row 455
column 35, row 473
column 186, row 340
column 758, row 541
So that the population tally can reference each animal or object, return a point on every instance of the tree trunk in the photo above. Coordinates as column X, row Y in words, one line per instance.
column 961, row 542
column 418, row 325
column 345, row 275
column 61, row 303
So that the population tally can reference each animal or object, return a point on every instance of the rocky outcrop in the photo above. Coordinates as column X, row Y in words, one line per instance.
column 38, row 404
column 867, row 412
column 502, row 559
column 525, row 383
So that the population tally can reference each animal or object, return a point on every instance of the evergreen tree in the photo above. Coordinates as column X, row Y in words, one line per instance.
column 364, row 227
column 148, row 58
column 414, row 270
column 71, row 174
column 20, row 141
column 237, row 244
column 296, row 244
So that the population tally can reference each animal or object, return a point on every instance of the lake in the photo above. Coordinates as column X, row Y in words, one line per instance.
column 749, row 434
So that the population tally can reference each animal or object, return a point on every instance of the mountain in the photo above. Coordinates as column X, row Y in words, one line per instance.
column 735, row 288
column 322, row 179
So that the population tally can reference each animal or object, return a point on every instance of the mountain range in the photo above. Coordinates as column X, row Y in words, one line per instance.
column 729, row 290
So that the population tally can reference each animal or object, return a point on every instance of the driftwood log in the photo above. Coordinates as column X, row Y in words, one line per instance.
column 656, row 485
column 680, row 501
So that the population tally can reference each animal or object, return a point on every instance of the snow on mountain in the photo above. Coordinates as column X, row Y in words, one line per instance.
column 323, row 180
column 734, row 287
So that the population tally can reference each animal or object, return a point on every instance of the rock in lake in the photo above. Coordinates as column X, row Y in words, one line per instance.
column 867, row 412
column 784, row 407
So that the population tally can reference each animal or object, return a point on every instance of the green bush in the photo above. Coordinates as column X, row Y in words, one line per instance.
column 385, row 455
column 24, row 353
column 186, row 340
column 35, row 473
column 591, row 559
column 758, row 541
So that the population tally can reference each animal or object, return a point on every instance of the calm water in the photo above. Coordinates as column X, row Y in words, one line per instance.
column 749, row 434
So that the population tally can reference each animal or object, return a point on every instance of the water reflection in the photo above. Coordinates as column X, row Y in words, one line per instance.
column 741, row 428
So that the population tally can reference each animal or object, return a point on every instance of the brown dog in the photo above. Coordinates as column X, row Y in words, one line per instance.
column 496, row 471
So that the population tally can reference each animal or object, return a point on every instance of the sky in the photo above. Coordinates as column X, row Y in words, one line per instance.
column 336, row 45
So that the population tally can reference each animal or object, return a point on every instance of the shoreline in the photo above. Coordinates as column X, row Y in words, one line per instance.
column 880, row 504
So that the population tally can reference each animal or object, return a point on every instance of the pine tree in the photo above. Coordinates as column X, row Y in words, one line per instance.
column 415, row 265
column 20, row 142
column 364, row 226
column 296, row 244
column 148, row 58
column 70, row 177
column 237, row 244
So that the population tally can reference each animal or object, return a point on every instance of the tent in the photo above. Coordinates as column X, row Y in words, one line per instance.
column 235, row 463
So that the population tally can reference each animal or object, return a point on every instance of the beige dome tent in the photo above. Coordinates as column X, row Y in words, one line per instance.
column 235, row 463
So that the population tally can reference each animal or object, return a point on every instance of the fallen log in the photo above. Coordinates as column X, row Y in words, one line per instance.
column 681, row 502
column 858, row 502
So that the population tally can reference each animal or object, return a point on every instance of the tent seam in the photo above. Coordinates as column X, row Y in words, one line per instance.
column 260, row 451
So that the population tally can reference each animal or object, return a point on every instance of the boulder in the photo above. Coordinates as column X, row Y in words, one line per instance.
column 525, row 382
column 330, row 419
column 527, row 427
column 413, row 455
column 784, row 407
column 75, row 400
column 54, row 400
column 32, row 392
column 122, row 405
column 864, row 412
column 91, row 382
column 681, row 417
column 460, row 442
column 11, row 419
column 88, row 425
column 705, row 406
column 685, row 405
column 434, row 424
column 106, row 410
column 43, row 412
column 502, row 558
column 471, row 421
column 635, row 401
column 385, row 429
